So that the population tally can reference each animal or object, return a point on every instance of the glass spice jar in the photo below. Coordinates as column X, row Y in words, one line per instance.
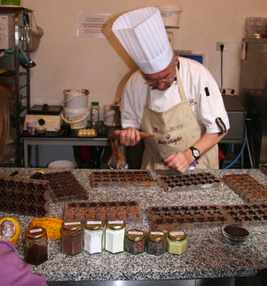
column 114, row 236
column 93, row 237
column 72, row 238
column 177, row 242
column 135, row 241
column 156, row 243
column 36, row 246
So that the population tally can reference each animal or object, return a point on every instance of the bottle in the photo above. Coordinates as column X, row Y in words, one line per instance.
column 156, row 244
column 177, row 242
column 93, row 237
column 72, row 238
column 135, row 241
column 114, row 239
column 94, row 113
column 36, row 250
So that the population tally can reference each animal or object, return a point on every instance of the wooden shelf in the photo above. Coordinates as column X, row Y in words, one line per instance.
column 12, row 8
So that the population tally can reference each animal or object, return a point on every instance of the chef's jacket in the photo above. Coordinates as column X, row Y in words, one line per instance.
column 200, row 88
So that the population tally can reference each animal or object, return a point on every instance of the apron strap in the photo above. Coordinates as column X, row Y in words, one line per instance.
column 180, row 86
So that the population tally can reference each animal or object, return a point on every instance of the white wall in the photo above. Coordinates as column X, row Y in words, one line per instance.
column 65, row 61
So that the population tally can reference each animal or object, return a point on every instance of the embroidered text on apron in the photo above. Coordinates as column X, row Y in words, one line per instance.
column 174, row 130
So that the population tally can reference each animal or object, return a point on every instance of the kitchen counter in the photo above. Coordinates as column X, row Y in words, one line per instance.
column 208, row 255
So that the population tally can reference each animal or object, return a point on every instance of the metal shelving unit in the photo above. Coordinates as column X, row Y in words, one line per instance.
column 16, row 78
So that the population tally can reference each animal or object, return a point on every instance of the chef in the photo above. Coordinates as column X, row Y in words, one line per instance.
column 173, row 99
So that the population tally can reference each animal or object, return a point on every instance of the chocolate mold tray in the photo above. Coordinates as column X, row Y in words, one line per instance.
column 170, row 181
column 23, row 195
column 127, row 211
column 111, row 178
column 246, row 187
column 246, row 213
column 169, row 218
column 65, row 186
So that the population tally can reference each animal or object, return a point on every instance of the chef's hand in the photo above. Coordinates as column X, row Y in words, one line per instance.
column 129, row 136
column 180, row 161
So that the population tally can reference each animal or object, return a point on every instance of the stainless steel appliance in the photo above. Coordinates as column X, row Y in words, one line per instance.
column 253, row 91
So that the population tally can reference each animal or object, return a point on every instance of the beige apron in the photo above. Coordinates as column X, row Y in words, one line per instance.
column 174, row 130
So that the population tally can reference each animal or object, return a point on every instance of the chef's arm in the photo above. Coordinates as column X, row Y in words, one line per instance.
column 182, row 160
column 206, row 142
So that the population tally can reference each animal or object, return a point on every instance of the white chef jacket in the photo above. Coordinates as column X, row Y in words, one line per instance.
column 200, row 88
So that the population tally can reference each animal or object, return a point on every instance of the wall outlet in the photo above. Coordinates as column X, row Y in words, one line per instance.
column 218, row 46
column 229, row 91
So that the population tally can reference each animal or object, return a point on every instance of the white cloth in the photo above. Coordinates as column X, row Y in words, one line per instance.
column 143, row 35
column 196, row 78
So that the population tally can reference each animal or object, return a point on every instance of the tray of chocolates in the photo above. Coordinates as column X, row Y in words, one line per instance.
column 127, row 211
column 23, row 195
column 170, row 180
column 111, row 178
column 246, row 187
column 169, row 218
column 246, row 213
column 65, row 186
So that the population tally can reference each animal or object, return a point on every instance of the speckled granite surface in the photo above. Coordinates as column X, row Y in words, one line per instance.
column 208, row 255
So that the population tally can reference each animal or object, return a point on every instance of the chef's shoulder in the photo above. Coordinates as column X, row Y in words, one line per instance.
column 193, row 69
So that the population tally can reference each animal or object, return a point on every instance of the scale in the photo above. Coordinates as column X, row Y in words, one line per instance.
column 44, row 116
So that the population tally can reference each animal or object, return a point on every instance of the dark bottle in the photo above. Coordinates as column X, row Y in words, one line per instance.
column 36, row 250
column 72, row 238
column 135, row 241
column 156, row 243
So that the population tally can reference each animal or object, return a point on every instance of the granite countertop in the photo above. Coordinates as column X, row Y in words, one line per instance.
column 208, row 255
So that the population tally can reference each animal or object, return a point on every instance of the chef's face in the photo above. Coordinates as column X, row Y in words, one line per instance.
column 163, row 80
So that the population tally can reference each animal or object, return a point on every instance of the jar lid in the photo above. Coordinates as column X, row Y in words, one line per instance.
column 177, row 235
column 156, row 236
column 116, row 224
column 36, row 232
column 135, row 235
column 72, row 226
column 93, row 225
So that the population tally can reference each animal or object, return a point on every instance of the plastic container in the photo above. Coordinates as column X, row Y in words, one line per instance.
column 75, row 108
column 61, row 164
column 171, row 16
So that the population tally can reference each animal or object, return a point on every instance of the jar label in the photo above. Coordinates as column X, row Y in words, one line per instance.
column 177, row 233
column 134, row 232
column 35, row 230
column 72, row 223
column 93, row 222
column 116, row 222
column 156, row 233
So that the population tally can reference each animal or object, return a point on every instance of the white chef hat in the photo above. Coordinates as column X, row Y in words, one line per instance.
column 142, row 33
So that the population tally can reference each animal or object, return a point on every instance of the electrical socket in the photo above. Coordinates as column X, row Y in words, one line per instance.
column 218, row 46
column 228, row 91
